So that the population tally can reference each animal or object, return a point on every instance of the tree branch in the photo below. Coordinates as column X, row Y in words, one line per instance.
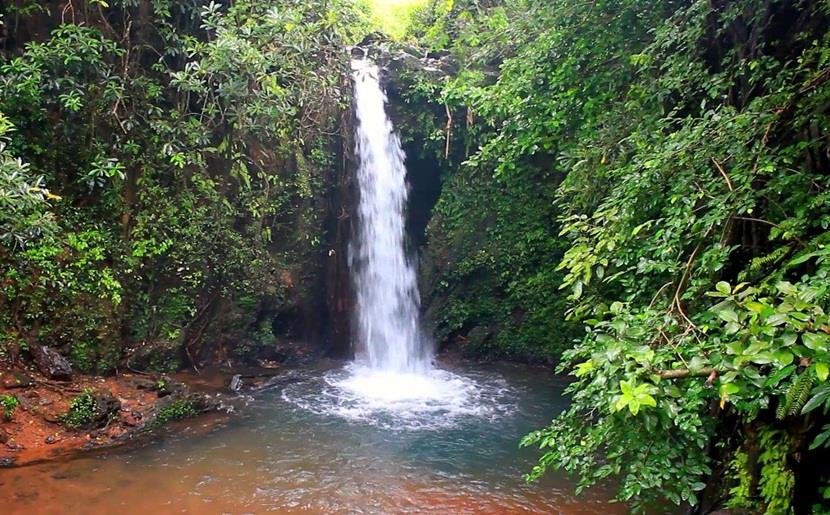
column 680, row 373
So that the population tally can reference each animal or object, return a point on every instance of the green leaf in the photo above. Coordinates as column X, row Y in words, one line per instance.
column 729, row 315
column 783, row 357
column 646, row 400
column 820, row 396
column 577, row 290
column 583, row 368
column 697, row 363
column 627, row 388
column 639, row 228
column 822, row 371
column 786, row 288
column 789, row 338
column 815, row 341
column 754, row 306
column 822, row 438
column 778, row 376
column 725, row 311
column 723, row 287
column 777, row 319
column 729, row 389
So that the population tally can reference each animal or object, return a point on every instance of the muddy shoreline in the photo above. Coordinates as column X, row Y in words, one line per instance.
column 124, row 408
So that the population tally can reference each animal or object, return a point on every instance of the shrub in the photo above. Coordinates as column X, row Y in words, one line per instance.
column 9, row 404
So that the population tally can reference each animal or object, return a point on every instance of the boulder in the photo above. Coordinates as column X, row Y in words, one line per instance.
column 157, row 356
column 50, row 363
column 181, row 405
column 143, row 383
column 12, row 379
column 236, row 383
column 167, row 386
column 91, row 410
column 106, row 404
column 405, row 61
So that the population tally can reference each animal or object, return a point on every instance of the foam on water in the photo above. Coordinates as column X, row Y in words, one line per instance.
column 437, row 399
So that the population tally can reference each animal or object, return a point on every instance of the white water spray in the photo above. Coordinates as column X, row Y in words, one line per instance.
column 389, row 338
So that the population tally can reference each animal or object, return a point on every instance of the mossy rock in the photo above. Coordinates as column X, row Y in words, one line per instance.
column 91, row 410
column 180, row 406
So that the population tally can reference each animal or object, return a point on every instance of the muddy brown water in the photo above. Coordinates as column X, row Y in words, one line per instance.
column 297, row 449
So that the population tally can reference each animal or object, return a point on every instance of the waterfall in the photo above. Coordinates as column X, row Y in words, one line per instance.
column 388, row 335
column 392, row 383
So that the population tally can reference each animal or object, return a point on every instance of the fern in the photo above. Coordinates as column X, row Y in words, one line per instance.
column 797, row 395
column 761, row 262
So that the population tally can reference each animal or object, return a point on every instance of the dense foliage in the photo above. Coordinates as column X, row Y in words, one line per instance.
column 489, row 277
column 637, row 188
column 665, row 165
column 163, row 170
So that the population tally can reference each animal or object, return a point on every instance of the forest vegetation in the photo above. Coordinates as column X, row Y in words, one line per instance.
column 636, row 191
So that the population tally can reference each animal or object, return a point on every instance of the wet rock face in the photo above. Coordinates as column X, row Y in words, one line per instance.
column 51, row 364
column 434, row 67
column 396, row 59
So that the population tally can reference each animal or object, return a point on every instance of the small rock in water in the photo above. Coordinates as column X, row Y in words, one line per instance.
column 236, row 383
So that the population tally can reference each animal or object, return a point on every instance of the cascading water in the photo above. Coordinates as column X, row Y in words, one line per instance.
column 392, row 383
column 388, row 333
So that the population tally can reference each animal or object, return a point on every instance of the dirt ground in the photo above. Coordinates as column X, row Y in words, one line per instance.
column 36, row 432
